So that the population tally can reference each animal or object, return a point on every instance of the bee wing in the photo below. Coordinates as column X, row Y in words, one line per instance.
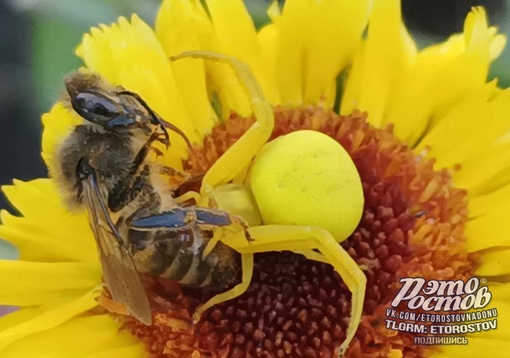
column 119, row 270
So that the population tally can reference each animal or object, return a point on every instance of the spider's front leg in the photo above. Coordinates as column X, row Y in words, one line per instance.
column 238, row 157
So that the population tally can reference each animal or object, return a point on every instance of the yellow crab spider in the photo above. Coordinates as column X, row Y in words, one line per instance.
column 302, row 193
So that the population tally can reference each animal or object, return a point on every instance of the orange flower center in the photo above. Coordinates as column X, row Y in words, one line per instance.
column 412, row 226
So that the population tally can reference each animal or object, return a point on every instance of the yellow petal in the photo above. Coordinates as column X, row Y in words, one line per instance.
column 222, row 83
column 313, row 47
column 48, row 319
column 496, row 201
column 27, row 283
column 47, row 225
column 494, row 343
column 494, row 262
column 130, row 351
column 26, row 313
column 89, row 336
column 237, row 37
column 330, row 44
column 291, row 27
column 463, row 121
column 58, row 123
column 386, row 54
column 498, row 44
column 500, row 291
column 225, row 87
column 268, row 39
column 52, row 245
column 352, row 88
column 23, row 195
column 491, row 155
column 440, row 76
column 273, row 11
column 129, row 54
column 494, row 160
column 20, row 315
column 503, row 330
column 477, row 347
column 182, row 25
column 487, row 231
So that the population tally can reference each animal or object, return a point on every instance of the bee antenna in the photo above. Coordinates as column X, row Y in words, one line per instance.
column 155, row 119
column 170, row 126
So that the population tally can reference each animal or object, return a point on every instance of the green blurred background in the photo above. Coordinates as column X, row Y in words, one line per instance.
column 38, row 38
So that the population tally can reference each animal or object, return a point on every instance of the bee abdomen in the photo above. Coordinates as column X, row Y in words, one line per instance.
column 228, row 267
column 197, row 274
column 189, row 268
column 172, row 256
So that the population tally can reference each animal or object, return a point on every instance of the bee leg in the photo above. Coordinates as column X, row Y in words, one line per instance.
column 141, row 156
column 221, row 222
column 203, row 218
column 113, row 306
column 126, row 191
column 175, row 177
column 178, row 218
column 158, row 152
column 304, row 239
column 239, row 155
column 187, row 187
column 172, row 220
column 182, row 177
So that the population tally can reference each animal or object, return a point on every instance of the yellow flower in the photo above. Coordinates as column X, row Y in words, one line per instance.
column 427, row 133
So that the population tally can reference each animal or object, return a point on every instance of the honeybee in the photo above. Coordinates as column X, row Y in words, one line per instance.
column 137, row 223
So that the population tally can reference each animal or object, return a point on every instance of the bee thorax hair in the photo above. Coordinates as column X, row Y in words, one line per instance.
column 111, row 154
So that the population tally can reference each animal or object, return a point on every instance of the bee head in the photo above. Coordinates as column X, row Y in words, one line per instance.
column 108, row 109
column 114, row 108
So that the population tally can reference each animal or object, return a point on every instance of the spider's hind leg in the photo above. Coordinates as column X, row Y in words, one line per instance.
column 247, row 272
column 303, row 240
